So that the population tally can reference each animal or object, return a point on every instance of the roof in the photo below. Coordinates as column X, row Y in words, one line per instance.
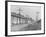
column 20, row 16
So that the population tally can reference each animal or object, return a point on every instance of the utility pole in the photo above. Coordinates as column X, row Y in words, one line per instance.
column 19, row 15
column 37, row 16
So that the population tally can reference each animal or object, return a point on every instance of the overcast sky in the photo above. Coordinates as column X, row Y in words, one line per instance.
column 27, row 10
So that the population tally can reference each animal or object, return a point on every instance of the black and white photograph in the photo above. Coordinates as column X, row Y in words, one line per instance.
column 25, row 18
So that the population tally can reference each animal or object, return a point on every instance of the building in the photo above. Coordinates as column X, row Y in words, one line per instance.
column 20, row 19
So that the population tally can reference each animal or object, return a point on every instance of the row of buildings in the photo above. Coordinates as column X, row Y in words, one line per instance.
column 20, row 19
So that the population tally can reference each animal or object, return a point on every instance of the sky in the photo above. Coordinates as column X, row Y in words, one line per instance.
column 27, row 10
